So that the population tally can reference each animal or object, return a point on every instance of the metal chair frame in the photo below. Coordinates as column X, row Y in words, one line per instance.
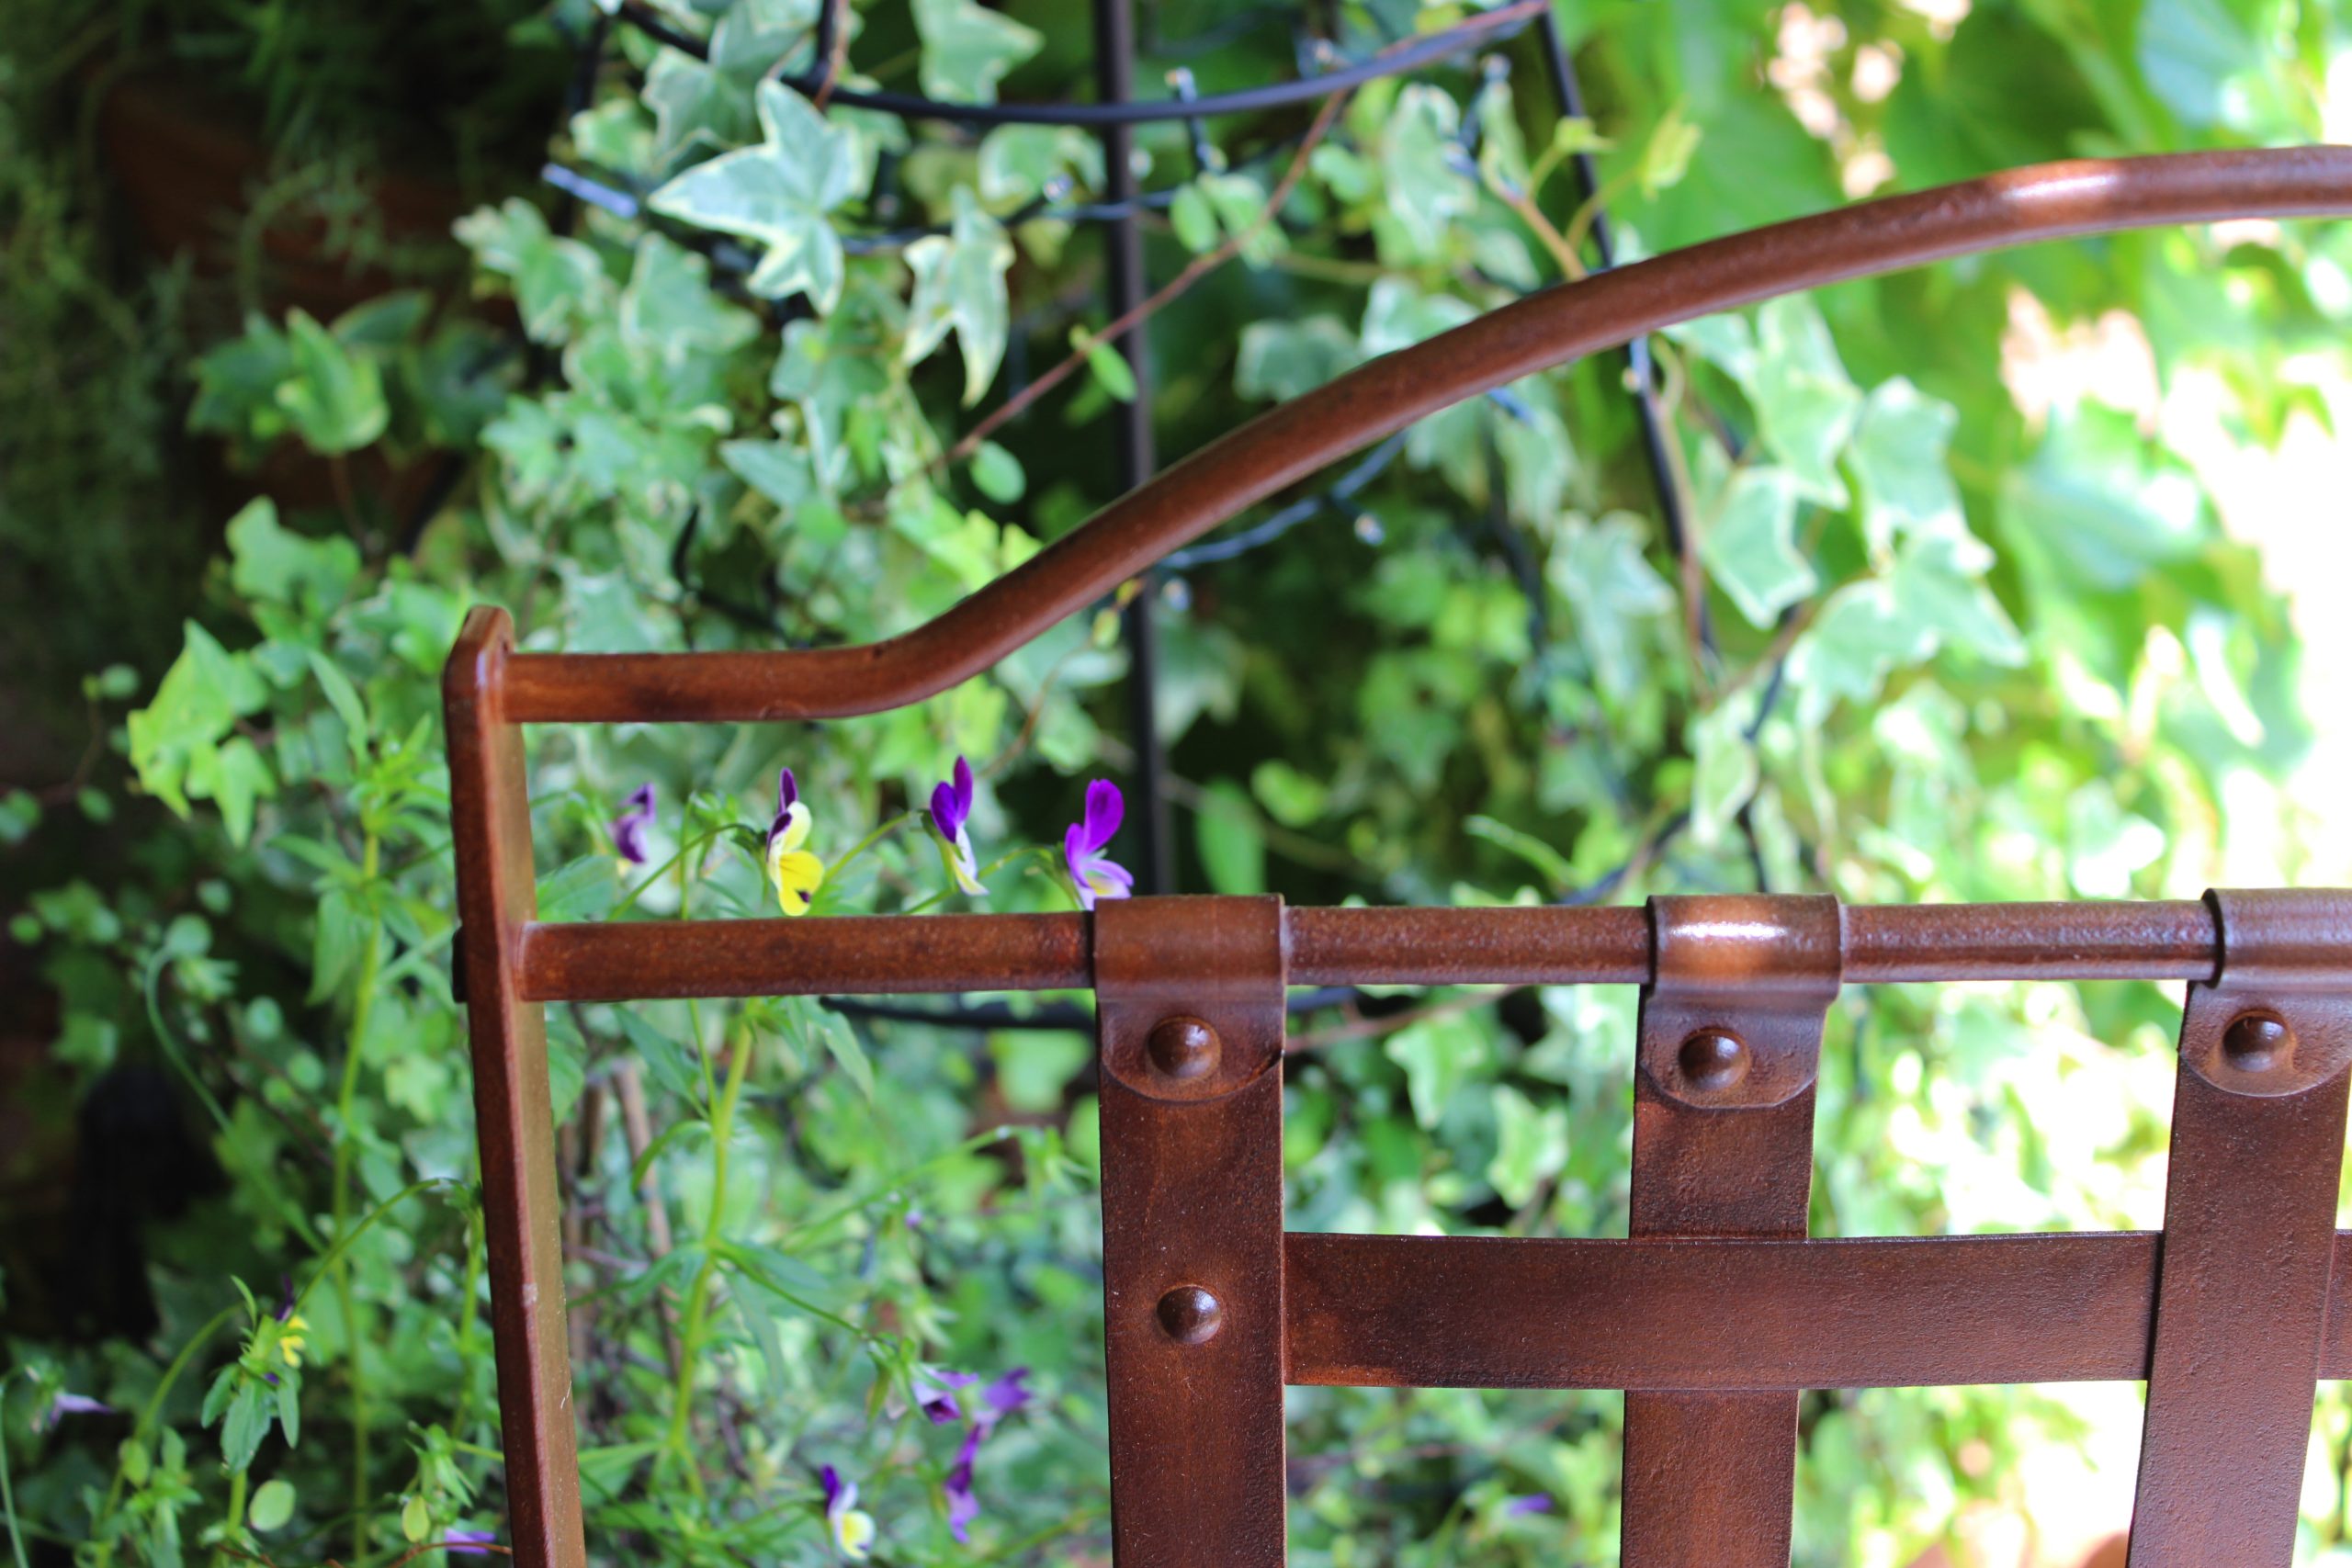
column 1716, row 1311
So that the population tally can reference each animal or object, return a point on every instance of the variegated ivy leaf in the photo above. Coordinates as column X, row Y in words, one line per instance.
column 1615, row 596
column 1898, row 457
column 1018, row 161
column 1805, row 404
column 1750, row 547
column 1420, row 163
column 777, row 194
column 968, row 48
column 959, row 286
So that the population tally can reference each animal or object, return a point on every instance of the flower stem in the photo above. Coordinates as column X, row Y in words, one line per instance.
column 372, row 955
column 867, row 843
column 722, row 1132
column 231, row 1522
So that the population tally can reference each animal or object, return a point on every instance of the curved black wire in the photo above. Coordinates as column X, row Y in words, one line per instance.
column 1253, row 100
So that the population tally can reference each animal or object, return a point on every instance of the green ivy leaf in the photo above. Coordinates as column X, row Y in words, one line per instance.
column 968, row 48
column 1531, row 1145
column 1426, row 191
column 204, row 693
column 1900, row 458
column 1019, row 162
column 1616, row 595
column 1805, row 404
column 2102, row 507
column 334, row 398
column 1282, row 359
column 1750, row 546
column 668, row 306
column 959, row 286
column 1438, row 1056
column 558, row 283
column 777, row 194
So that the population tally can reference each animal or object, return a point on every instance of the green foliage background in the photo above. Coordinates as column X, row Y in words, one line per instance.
column 1966, row 649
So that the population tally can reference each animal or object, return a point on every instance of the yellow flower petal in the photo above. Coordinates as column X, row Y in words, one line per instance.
column 796, row 823
column 797, row 874
column 853, row 1533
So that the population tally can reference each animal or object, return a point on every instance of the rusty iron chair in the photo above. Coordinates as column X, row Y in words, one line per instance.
column 1716, row 1311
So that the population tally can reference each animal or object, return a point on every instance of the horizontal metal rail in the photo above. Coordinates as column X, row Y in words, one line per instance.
column 1292, row 442
column 884, row 954
column 1717, row 1315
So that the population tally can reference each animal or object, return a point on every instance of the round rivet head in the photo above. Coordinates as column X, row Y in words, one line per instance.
column 2256, row 1042
column 1191, row 1316
column 1182, row 1049
column 1713, row 1059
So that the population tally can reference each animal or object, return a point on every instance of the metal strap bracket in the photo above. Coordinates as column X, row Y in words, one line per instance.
column 1191, row 996
column 2243, row 1287
column 1730, row 1046
column 1732, row 1017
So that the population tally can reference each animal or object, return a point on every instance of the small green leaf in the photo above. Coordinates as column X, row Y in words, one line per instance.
column 246, row 1424
column 335, row 398
column 1233, row 848
column 343, row 698
column 968, row 48
column 1109, row 366
column 1194, row 220
column 841, row 1042
column 416, row 1518
column 998, row 474
column 273, row 1504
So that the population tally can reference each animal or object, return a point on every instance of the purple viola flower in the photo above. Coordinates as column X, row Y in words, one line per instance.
column 1003, row 1397
column 1537, row 1502
column 851, row 1527
column 1091, row 870
column 962, row 1507
column 629, row 827
column 469, row 1543
column 935, row 1394
column 951, row 813
column 797, row 872
column 66, row 1405
column 999, row 1399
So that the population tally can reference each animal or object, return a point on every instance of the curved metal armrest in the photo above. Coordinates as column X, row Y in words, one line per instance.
column 1291, row 441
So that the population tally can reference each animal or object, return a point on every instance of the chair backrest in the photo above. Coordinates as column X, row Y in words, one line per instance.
column 1716, row 1310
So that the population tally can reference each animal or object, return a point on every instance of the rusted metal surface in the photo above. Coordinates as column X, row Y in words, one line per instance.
column 1191, row 993
column 1888, row 1312
column 515, row 1123
column 615, row 962
column 1728, row 1046
column 2242, row 1306
column 643, row 960
column 1293, row 441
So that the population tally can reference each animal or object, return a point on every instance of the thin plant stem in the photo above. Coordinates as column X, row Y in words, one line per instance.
column 145, row 1423
column 7, row 1491
column 867, row 843
column 722, row 1132
column 372, row 955
column 231, row 1521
